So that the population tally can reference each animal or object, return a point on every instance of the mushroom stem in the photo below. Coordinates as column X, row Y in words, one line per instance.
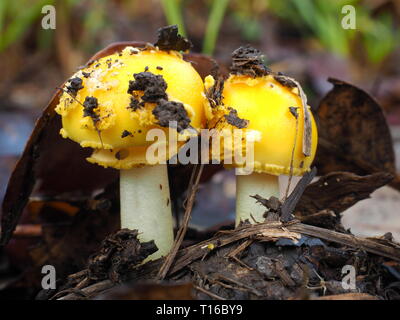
column 145, row 206
column 263, row 184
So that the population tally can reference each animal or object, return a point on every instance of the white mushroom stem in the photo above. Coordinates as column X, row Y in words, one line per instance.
column 263, row 184
column 145, row 206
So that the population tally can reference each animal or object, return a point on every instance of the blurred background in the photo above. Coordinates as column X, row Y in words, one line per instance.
column 301, row 38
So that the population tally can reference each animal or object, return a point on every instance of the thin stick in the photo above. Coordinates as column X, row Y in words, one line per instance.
column 195, row 179
column 292, row 156
column 240, row 248
column 348, row 296
column 86, row 292
column 212, row 295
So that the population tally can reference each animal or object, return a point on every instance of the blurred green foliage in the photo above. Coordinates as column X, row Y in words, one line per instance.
column 18, row 17
column 14, row 21
column 247, row 15
column 316, row 19
column 173, row 13
column 217, row 14
column 321, row 19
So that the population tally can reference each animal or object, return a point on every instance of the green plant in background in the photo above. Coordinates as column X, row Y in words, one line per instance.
column 14, row 21
column 95, row 19
column 319, row 19
column 217, row 14
column 378, row 36
column 322, row 20
column 173, row 13
column 247, row 16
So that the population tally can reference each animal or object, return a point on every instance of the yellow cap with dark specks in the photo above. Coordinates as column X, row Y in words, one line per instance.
column 105, row 106
column 271, row 109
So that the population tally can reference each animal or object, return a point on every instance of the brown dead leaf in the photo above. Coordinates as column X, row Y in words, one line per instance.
column 353, row 133
column 338, row 191
column 68, row 246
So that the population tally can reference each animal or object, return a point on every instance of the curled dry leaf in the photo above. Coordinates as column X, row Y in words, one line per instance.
column 338, row 191
column 59, row 164
column 353, row 134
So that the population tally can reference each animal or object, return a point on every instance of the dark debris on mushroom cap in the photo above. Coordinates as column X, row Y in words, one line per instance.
column 233, row 119
column 284, row 80
column 152, row 85
column 89, row 106
column 214, row 93
column 169, row 112
column 170, row 39
column 293, row 111
column 135, row 104
column 126, row 133
column 74, row 85
column 247, row 60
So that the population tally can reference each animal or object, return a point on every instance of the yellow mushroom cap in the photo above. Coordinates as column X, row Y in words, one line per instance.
column 117, row 122
column 267, row 105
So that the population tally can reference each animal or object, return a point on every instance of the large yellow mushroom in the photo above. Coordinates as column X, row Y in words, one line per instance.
column 269, row 109
column 112, row 106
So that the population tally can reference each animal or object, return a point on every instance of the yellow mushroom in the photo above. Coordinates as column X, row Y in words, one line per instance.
column 267, row 108
column 115, row 104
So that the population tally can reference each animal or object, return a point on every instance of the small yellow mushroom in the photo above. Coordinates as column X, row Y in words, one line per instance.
column 113, row 104
column 254, row 100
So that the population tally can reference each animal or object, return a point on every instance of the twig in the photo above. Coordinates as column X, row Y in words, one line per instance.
column 88, row 291
column 348, row 239
column 290, row 203
column 212, row 295
column 83, row 283
column 239, row 248
column 78, row 275
column 73, row 291
column 240, row 262
column 348, row 296
column 241, row 284
column 194, row 184
column 296, row 115
column 283, row 274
